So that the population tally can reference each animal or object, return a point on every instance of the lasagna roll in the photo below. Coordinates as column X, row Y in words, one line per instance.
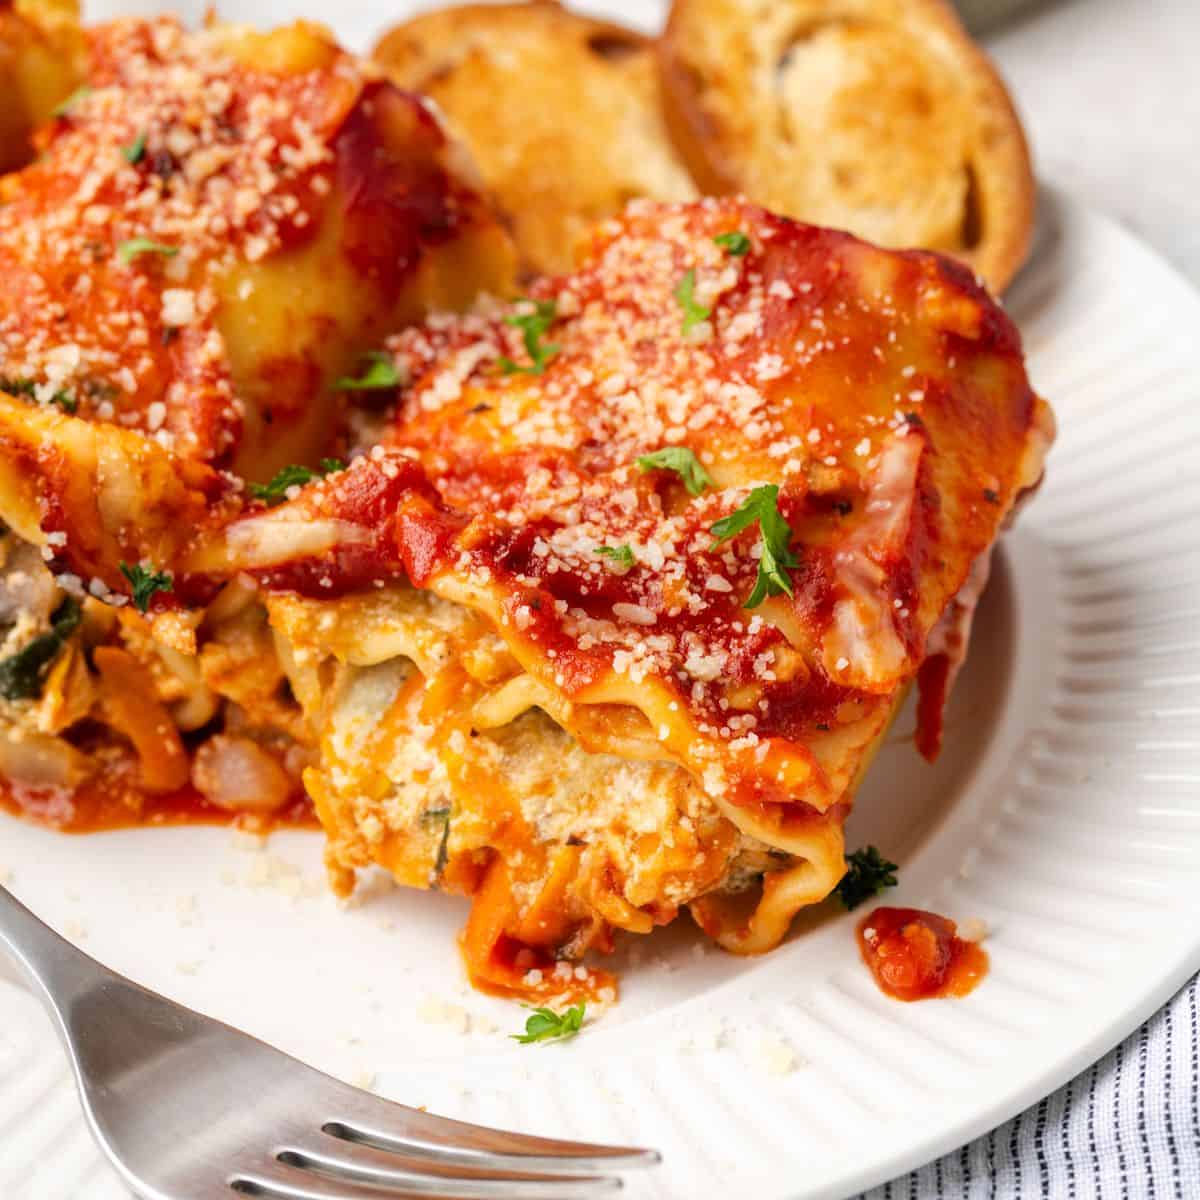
column 220, row 225
column 41, row 65
column 612, row 620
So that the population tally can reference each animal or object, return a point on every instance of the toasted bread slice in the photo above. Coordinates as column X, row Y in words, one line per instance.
column 562, row 114
column 877, row 116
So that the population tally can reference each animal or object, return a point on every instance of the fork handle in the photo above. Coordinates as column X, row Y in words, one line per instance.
column 57, row 971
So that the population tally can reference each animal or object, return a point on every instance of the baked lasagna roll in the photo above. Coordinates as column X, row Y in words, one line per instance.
column 218, row 226
column 41, row 65
column 614, row 618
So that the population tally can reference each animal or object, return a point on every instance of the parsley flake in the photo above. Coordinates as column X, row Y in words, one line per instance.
column 693, row 313
column 533, row 326
column 775, row 535
column 276, row 490
column 135, row 151
column 28, row 388
column 379, row 372
column 867, row 874
column 128, row 251
column 621, row 556
column 735, row 242
column 69, row 103
column 146, row 583
column 544, row 1024
column 17, row 387
column 683, row 462
column 439, row 819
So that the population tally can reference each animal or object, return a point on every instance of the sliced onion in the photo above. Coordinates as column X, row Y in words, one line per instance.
column 26, row 586
column 39, row 760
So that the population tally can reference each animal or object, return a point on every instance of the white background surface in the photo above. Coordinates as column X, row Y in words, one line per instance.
column 1110, row 94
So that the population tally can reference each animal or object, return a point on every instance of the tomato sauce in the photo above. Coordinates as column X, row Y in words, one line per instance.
column 916, row 955
column 107, row 803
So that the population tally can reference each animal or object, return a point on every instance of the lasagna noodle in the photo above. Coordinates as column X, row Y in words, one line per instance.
column 439, row 754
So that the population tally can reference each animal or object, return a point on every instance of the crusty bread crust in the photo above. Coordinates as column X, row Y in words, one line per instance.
column 878, row 116
column 561, row 112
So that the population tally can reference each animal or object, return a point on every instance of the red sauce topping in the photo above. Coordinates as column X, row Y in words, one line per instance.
column 933, row 689
column 915, row 955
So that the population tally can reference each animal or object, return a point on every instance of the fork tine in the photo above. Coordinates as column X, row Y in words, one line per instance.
column 278, row 1182
column 458, row 1143
column 270, row 1184
column 360, row 1163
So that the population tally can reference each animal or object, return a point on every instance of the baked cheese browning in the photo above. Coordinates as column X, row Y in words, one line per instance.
column 217, row 228
column 881, row 393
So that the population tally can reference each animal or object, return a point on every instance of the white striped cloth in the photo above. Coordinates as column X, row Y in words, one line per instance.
column 1128, row 1128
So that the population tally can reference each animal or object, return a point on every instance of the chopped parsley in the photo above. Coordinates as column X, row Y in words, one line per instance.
column 379, row 372
column 693, row 313
column 439, row 818
column 23, row 674
column 991, row 495
column 275, row 492
column 735, row 242
column 17, row 387
column 146, row 583
column 28, row 388
column 128, row 251
column 622, row 556
column 135, row 151
column 544, row 1024
column 533, row 327
column 69, row 103
column 683, row 462
column 867, row 874
column 775, row 535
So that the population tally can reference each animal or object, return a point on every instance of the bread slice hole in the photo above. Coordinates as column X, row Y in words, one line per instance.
column 800, row 36
column 439, row 74
column 972, row 221
column 807, row 30
column 845, row 175
column 613, row 46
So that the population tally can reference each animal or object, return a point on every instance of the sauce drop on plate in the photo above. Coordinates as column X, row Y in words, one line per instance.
column 915, row 955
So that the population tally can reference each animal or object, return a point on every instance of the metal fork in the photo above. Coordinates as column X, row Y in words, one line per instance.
column 186, row 1108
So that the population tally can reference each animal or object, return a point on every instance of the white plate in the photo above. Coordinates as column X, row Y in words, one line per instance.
column 1065, row 813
